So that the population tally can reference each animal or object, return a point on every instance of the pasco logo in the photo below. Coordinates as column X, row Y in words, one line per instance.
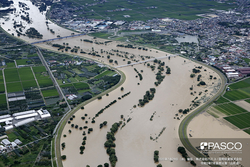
column 221, row 146
column 203, row 145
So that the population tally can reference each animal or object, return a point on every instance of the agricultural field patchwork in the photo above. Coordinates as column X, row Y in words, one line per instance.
column 3, row 104
column 22, row 62
column 50, row 93
column 39, row 69
column 45, row 82
column 247, row 131
column 1, row 76
column 242, row 84
column 81, row 85
column 9, row 65
column 241, row 120
column 248, row 100
column 27, row 85
column 14, row 87
column 146, row 10
column 108, row 72
column 236, row 95
column 230, row 109
column 221, row 100
column 11, row 75
column 78, row 76
column 239, row 90
column 25, row 73
column 246, row 91
column 2, row 88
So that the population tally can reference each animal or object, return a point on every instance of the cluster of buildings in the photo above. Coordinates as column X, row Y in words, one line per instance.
column 71, row 96
column 8, row 145
column 52, row 63
column 21, row 118
column 90, row 25
column 119, row 10
column 233, row 72
column 226, row 33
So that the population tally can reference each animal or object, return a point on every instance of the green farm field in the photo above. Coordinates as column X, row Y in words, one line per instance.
column 25, row 74
column 241, row 120
column 1, row 76
column 33, row 55
column 11, row 75
column 22, row 61
column 248, row 100
column 50, row 93
column 236, row 95
column 14, row 87
column 246, row 90
column 3, row 103
column 2, row 88
column 247, row 131
column 221, row 100
column 28, row 84
column 2, row 99
column 45, row 82
column 108, row 72
column 10, row 65
column 39, row 69
column 81, row 85
column 242, row 84
column 66, row 85
column 230, row 109
column 101, row 35
column 148, row 9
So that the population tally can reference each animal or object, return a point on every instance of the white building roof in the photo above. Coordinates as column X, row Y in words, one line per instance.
column 2, row 147
column 45, row 116
column 24, row 122
column 23, row 113
column 4, row 116
column 13, row 144
column 16, row 98
column 8, row 127
column 5, row 119
column 26, row 116
column 17, row 141
column 5, row 142
column 40, row 112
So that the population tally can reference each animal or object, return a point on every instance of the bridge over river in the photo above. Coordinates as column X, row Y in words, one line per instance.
column 58, row 38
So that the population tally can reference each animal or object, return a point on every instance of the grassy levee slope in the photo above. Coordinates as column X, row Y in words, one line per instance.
column 183, row 126
column 63, row 121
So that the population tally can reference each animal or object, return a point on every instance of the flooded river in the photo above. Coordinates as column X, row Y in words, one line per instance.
column 37, row 20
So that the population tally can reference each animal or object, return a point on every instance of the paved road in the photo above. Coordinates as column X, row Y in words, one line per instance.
column 58, row 89
column 51, row 75
column 140, row 62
